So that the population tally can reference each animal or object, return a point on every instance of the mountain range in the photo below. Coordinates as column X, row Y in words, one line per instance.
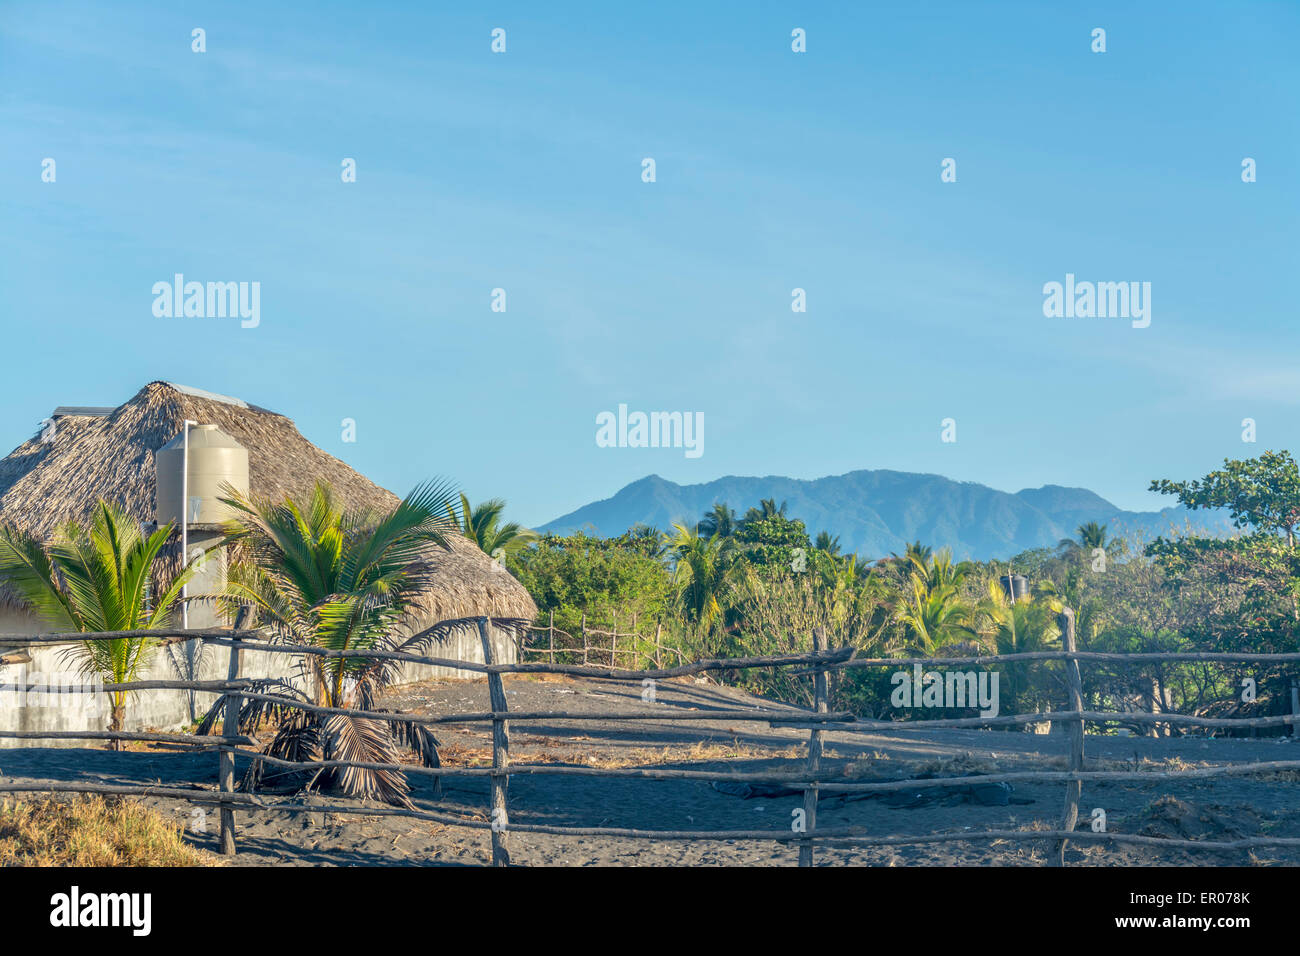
column 877, row 512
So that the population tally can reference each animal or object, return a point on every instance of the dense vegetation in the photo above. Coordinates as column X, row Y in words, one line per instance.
column 724, row 584
column 728, row 584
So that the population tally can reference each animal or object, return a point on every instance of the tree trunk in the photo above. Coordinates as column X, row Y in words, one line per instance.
column 116, row 722
column 1152, row 698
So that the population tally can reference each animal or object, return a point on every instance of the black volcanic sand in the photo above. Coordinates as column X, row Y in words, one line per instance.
column 1217, row 809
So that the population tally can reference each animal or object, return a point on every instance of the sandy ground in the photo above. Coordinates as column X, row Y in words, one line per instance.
column 1224, row 808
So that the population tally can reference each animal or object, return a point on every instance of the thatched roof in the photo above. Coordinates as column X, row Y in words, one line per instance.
column 97, row 453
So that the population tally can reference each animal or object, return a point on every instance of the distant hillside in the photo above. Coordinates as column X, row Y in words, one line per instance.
column 879, row 512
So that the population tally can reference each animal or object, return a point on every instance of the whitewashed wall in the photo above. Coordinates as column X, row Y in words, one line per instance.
column 171, row 709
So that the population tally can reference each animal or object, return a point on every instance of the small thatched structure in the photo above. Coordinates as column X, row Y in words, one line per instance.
column 93, row 453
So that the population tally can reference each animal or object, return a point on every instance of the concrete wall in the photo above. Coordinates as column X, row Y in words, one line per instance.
column 58, row 664
column 462, row 644
column 172, row 709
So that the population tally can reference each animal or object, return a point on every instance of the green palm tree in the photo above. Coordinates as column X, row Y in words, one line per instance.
column 767, row 508
column 932, row 611
column 482, row 525
column 935, row 617
column 1090, row 537
column 828, row 543
column 719, row 520
column 646, row 540
column 1023, row 627
column 701, row 574
column 97, row 578
column 936, row 570
column 339, row 580
column 915, row 550
column 914, row 555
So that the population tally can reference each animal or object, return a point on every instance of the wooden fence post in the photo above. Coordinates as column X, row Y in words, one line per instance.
column 814, row 753
column 613, row 641
column 659, row 628
column 584, row 638
column 226, row 759
column 500, row 780
column 1074, row 788
column 550, row 644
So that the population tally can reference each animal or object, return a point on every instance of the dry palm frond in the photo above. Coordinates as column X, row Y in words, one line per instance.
column 363, row 740
column 419, row 740
column 297, row 740
column 253, row 711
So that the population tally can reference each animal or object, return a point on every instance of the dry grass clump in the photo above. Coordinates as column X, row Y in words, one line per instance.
column 1279, row 776
column 93, row 831
column 1136, row 765
column 964, row 765
column 1170, row 817
column 866, row 766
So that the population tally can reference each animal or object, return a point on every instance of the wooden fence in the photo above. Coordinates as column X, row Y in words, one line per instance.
column 597, row 644
column 810, row 777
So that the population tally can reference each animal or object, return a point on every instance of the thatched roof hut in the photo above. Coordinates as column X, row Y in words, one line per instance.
column 93, row 453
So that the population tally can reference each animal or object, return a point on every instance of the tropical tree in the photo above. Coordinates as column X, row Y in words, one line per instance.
column 644, row 539
column 1023, row 627
column 936, row 571
column 1090, row 537
column 767, row 508
column 1260, row 493
column 934, row 618
column 96, row 578
column 931, row 609
column 778, row 613
column 827, row 542
column 916, row 551
column 914, row 555
column 579, row 575
column 482, row 525
column 339, row 580
column 769, row 540
column 701, row 575
column 719, row 520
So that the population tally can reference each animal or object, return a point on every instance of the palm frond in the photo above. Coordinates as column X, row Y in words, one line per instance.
column 298, row 739
column 252, row 711
column 363, row 740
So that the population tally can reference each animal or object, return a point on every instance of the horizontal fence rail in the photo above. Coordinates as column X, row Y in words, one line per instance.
column 636, row 646
column 811, row 779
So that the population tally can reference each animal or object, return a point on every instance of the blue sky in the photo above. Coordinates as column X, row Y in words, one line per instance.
column 775, row 170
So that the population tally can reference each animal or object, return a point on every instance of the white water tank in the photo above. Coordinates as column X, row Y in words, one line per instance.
column 216, row 460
